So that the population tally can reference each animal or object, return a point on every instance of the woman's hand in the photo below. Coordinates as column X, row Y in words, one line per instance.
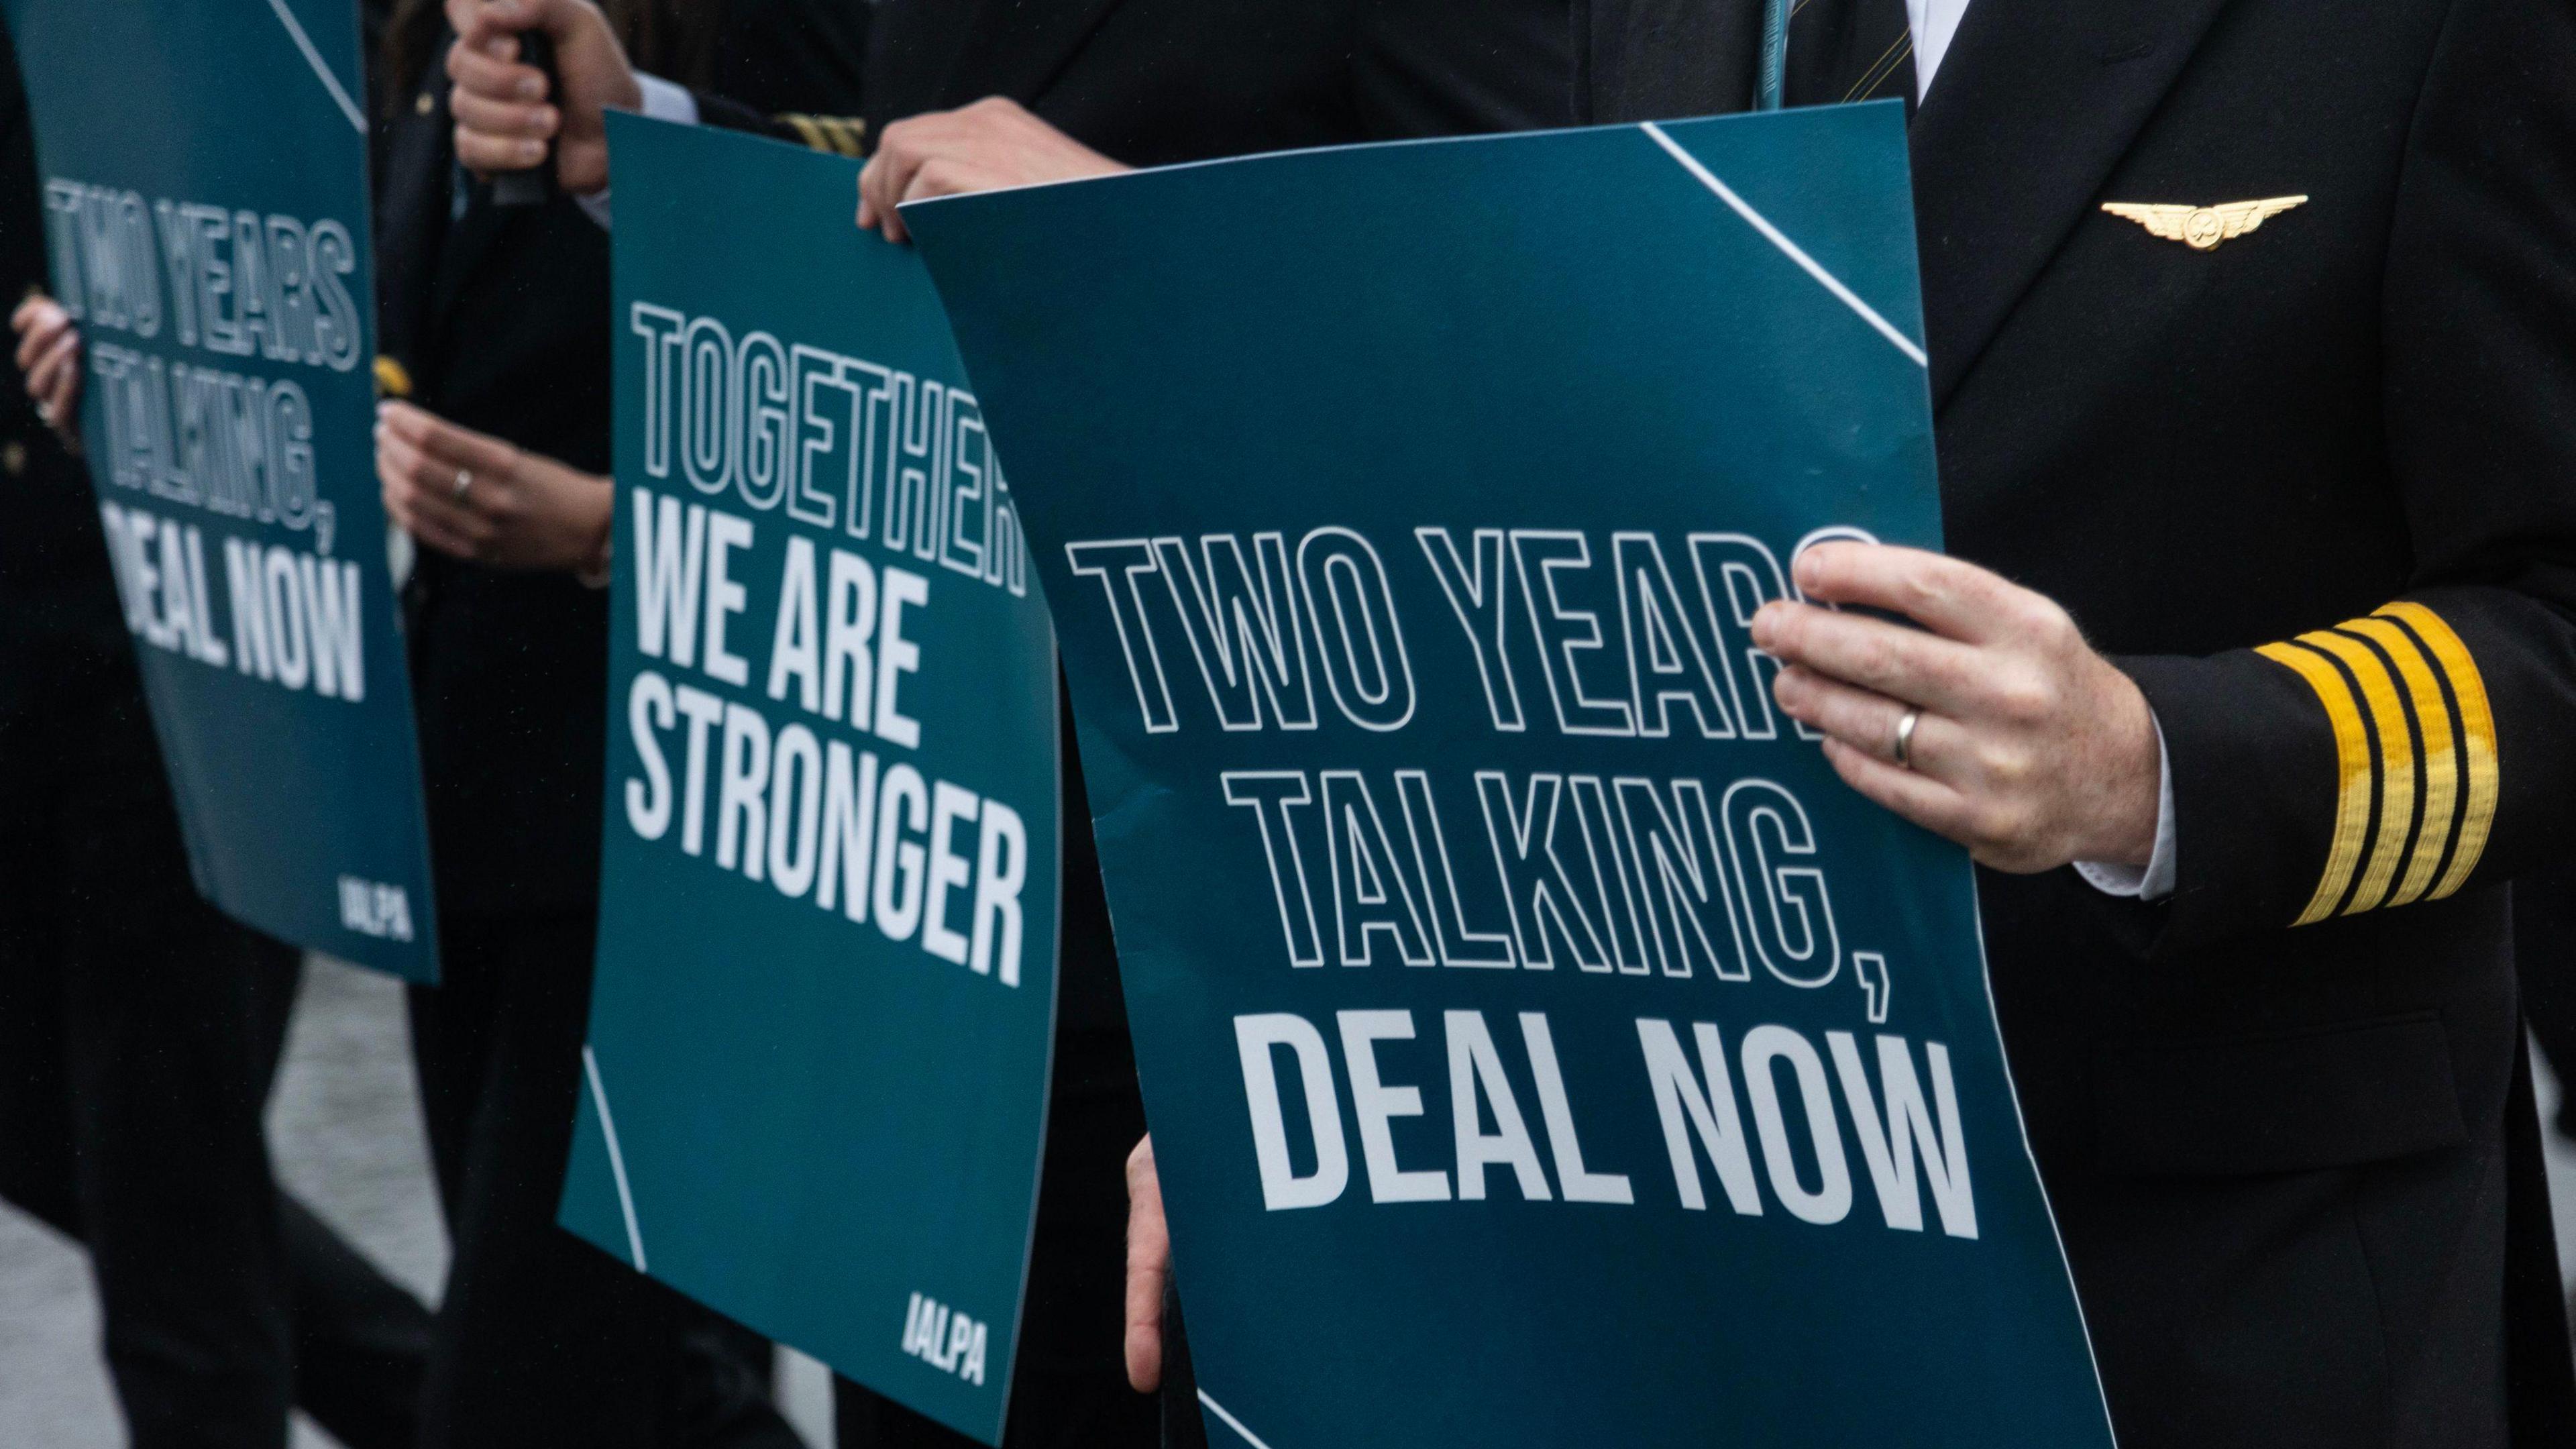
column 474, row 496
column 49, row 353
column 1149, row 1269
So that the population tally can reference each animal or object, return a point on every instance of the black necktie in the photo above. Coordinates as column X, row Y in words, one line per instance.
column 1849, row 50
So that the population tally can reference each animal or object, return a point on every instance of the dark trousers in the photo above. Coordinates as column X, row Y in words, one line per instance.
column 2544, row 952
column 1184, row 1425
column 541, row 1340
column 1069, row 1387
column 139, row 1031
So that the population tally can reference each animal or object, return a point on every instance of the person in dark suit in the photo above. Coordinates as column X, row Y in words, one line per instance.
column 139, row 1028
column 495, row 327
column 971, row 95
column 2246, row 897
column 2246, row 890
column 2245, row 893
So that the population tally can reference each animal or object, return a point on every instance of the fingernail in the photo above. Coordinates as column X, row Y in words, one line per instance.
column 533, row 150
column 532, row 87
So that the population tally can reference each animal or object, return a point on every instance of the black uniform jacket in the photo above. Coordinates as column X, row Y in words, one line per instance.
column 498, row 321
column 2315, row 489
column 1154, row 82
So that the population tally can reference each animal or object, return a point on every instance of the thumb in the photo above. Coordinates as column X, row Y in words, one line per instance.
column 592, row 64
column 1149, row 1270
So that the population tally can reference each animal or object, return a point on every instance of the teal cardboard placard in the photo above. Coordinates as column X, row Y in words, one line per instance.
column 817, row 1075
column 1542, row 1045
column 206, row 209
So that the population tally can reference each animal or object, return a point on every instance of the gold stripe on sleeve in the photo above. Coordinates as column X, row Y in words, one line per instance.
column 2441, row 757
column 2352, row 762
column 2396, row 764
column 806, row 128
column 846, row 134
column 2477, row 732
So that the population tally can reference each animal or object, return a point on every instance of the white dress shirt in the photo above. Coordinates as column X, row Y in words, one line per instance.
column 1934, row 22
column 663, row 101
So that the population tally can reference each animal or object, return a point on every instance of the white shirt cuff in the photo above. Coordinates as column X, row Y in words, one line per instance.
column 663, row 101
column 2156, row 880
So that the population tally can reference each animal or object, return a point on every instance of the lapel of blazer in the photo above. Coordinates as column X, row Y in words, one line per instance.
column 1017, row 48
column 461, row 242
column 412, row 193
column 2034, row 104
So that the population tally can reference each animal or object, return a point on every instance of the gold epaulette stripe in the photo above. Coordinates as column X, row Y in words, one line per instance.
column 806, row 128
column 2477, row 735
column 2441, row 754
column 2437, row 731
column 840, row 135
column 2396, row 764
column 2352, row 769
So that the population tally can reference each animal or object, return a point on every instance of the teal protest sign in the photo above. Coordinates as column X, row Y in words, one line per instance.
column 1542, row 1046
column 819, row 1039
column 206, row 211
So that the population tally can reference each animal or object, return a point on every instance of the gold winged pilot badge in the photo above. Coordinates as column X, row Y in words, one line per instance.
column 2202, row 228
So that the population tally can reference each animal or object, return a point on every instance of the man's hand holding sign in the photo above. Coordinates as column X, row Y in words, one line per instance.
column 2026, row 746
column 989, row 145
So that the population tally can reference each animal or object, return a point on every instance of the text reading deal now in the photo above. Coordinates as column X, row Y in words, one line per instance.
column 1907, row 1144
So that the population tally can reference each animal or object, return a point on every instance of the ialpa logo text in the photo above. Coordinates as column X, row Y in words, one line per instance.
column 944, row 1339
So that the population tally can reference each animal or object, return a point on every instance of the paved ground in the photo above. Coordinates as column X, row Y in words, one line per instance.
column 345, row 1129
column 346, row 1132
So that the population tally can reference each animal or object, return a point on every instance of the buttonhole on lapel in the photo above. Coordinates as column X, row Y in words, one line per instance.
column 2126, row 49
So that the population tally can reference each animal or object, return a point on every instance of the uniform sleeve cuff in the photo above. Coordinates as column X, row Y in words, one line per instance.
column 2155, row 880
column 663, row 101
column 667, row 100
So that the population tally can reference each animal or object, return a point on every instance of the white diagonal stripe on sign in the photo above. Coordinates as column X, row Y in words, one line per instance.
column 1788, row 248
column 313, row 58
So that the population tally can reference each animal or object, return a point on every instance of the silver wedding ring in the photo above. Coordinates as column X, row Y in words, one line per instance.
column 1905, row 738
column 464, row 480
